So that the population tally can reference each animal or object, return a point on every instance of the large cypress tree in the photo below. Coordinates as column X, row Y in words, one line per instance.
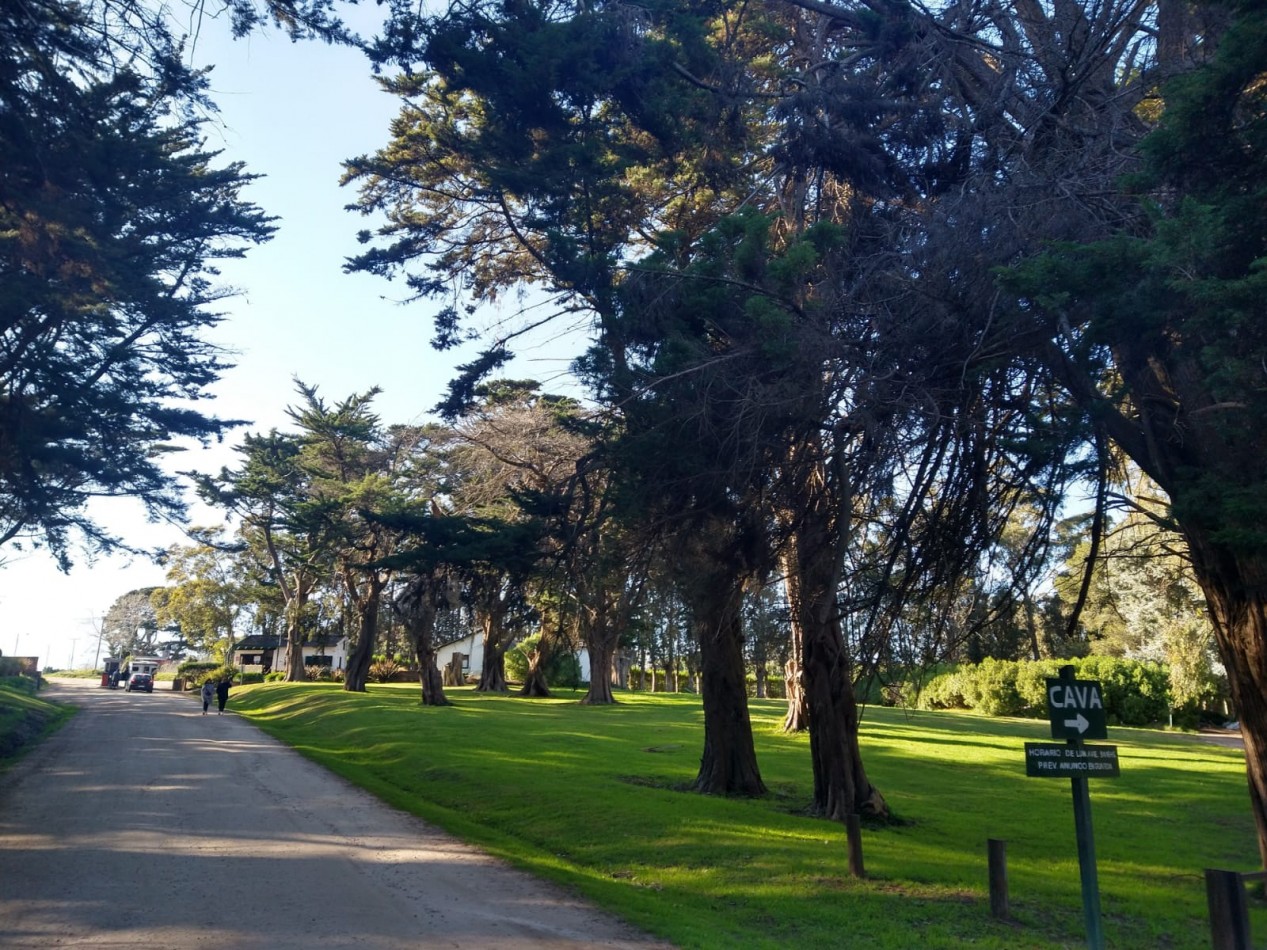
column 111, row 216
column 1159, row 332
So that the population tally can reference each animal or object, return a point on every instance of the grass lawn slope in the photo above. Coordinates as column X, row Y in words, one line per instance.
column 24, row 717
column 592, row 797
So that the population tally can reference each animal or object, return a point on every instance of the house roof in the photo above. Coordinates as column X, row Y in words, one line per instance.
column 259, row 641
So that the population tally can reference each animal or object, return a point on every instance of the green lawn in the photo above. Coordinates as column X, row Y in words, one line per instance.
column 590, row 797
column 24, row 718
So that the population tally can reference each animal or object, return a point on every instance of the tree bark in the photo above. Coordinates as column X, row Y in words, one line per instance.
column 601, row 650
column 295, row 671
column 797, row 717
column 535, row 683
column 812, row 562
column 493, row 670
column 358, row 670
column 417, row 608
column 492, row 614
column 728, row 765
column 1235, row 587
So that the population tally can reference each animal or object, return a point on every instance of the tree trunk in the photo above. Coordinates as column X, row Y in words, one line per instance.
column 620, row 669
column 812, row 563
column 493, row 670
column 1235, row 586
column 535, row 684
column 295, row 671
column 418, row 611
column 295, row 605
column 358, row 671
column 728, row 765
column 601, row 648
column 493, row 665
column 797, row 717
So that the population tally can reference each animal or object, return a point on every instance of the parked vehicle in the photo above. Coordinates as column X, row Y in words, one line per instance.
column 139, row 681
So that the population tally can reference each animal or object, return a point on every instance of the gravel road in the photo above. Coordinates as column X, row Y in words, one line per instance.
column 143, row 823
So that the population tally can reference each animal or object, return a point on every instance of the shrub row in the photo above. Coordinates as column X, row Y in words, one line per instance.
column 1136, row 693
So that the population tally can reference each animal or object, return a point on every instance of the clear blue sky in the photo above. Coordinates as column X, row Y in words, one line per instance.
column 291, row 112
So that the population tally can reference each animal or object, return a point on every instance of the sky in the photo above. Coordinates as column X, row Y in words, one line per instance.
column 292, row 113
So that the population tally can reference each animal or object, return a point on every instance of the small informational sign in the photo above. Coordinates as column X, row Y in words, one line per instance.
column 1076, row 708
column 1053, row 760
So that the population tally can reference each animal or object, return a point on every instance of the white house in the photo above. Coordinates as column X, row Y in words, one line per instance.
column 471, row 650
column 265, row 653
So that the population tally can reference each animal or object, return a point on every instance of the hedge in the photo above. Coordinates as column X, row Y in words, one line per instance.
column 1136, row 693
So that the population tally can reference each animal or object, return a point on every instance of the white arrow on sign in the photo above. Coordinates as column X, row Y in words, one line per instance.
column 1080, row 723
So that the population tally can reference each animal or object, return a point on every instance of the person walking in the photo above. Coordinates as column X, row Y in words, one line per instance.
column 222, row 694
column 208, row 691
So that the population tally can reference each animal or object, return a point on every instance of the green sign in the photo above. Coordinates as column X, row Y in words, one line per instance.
column 1076, row 708
column 1053, row 760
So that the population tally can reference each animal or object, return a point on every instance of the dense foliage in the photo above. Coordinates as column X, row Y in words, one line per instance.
column 1135, row 692
column 112, row 214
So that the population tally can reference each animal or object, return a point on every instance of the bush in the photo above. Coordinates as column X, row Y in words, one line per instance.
column 943, row 691
column 274, row 677
column 213, row 675
column 1031, row 685
column 1135, row 692
column 195, row 671
column 996, row 688
column 382, row 670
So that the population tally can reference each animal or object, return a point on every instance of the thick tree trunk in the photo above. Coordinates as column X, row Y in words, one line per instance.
column 728, row 765
column 295, row 672
column 358, row 670
column 493, row 666
column 418, row 610
column 296, row 601
column 535, row 684
column 493, row 670
column 1235, row 587
column 841, row 786
column 620, row 669
column 812, row 564
column 601, row 649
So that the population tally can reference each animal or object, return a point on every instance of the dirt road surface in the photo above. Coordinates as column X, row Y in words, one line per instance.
column 143, row 823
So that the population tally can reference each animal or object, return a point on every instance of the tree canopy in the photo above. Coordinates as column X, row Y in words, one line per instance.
column 112, row 214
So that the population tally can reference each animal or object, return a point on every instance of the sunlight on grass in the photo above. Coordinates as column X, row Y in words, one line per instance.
column 591, row 797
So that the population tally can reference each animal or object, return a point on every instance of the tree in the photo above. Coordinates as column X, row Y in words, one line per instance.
column 130, row 626
column 1157, row 331
column 111, row 216
column 206, row 596
column 511, row 446
column 283, row 526
column 352, row 467
column 1144, row 602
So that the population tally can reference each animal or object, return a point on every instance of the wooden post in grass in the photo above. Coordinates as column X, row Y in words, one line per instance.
column 996, row 850
column 853, row 837
column 1229, row 910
